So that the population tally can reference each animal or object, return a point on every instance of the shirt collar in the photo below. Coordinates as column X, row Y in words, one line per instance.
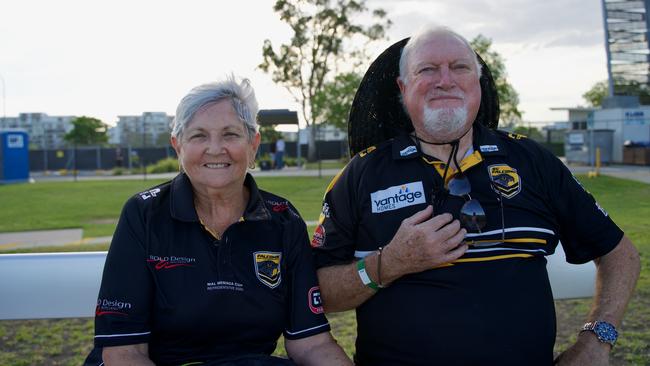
column 182, row 200
column 486, row 142
column 404, row 147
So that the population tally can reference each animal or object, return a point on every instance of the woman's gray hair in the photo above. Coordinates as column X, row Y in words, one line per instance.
column 240, row 94
column 422, row 37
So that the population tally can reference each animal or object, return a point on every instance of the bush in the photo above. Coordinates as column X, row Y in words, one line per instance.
column 169, row 165
column 291, row 161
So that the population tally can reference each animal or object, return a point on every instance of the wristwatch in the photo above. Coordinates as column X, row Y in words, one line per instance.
column 605, row 331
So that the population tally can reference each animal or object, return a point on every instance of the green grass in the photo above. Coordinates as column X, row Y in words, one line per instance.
column 325, row 164
column 86, row 204
column 95, row 206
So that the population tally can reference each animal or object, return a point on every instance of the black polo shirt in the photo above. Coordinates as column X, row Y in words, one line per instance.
column 492, row 306
column 169, row 283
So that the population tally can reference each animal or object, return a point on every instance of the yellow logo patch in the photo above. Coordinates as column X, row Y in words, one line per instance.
column 267, row 268
column 516, row 136
column 505, row 180
column 367, row 151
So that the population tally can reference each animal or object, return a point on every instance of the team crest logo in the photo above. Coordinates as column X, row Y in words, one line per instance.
column 319, row 237
column 267, row 268
column 315, row 303
column 505, row 180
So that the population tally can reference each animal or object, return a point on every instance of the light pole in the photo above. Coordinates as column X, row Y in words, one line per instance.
column 144, row 137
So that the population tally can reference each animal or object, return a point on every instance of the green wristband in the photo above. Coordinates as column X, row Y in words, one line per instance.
column 361, row 269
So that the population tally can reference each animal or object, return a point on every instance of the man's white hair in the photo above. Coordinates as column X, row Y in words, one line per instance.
column 422, row 37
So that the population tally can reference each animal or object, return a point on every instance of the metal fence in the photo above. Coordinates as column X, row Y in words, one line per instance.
column 102, row 158
column 96, row 158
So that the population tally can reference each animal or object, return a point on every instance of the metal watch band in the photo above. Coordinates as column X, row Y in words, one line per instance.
column 604, row 331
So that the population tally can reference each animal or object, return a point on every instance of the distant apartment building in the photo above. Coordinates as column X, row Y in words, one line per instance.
column 148, row 129
column 45, row 132
column 324, row 132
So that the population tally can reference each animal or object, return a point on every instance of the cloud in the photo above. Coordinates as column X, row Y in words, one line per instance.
column 546, row 23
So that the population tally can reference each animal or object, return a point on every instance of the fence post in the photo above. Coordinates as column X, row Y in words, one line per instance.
column 99, row 157
column 45, row 161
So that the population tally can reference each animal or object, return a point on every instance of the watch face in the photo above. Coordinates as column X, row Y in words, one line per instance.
column 606, row 332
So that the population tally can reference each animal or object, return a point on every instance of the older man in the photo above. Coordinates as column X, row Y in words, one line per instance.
column 437, row 236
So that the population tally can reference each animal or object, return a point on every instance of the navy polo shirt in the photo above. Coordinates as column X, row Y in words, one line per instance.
column 169, row 283
column 492, row 306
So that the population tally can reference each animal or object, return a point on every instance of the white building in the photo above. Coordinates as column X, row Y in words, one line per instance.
column 623, row 123
column 45, row 132
column 323, row 133
column 628, row 124
column 148, row 129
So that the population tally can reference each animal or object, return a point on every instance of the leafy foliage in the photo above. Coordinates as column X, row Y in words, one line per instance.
column 87, row 131
column 599, row 91
column 324, row 35
column 334, row 100
column 508, row 96
column 168, row 165
column 269, row 134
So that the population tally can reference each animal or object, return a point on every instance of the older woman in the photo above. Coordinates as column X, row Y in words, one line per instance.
column 207, row 268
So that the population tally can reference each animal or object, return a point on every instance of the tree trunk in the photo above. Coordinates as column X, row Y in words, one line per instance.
column 311, row 147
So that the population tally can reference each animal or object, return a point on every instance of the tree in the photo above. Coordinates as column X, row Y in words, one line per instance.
column 87, row 131
column 508, row 97
column 323, row 43
column 334, row 100
column 599, row 91
column 269, row 133
column 162, row 139
column 532, row 133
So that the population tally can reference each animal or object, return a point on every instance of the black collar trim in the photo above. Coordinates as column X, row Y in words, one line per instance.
column 405, row 148
column 487, row 142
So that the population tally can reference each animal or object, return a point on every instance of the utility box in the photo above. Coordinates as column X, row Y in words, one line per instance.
column 636, row 153
column 580, row 146
column 14, row 156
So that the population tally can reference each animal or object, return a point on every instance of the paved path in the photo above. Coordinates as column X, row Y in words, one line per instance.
column 85, row 176
column 74, row 236
column 632, row 172
column 31, row 239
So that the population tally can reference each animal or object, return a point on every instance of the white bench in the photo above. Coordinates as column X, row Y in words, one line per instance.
column 65, row 285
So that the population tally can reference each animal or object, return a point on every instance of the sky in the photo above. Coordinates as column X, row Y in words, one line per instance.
column 109, row 58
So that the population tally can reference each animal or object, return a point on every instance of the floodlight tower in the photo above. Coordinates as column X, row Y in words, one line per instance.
column 627, row 41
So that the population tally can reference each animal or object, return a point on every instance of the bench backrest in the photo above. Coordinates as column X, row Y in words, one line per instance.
column 65, row 285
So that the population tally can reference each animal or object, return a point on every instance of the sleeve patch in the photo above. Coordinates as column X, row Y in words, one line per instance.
column 149, row 194
column 315, row 303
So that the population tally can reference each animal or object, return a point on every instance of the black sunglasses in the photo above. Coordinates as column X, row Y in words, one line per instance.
column 472, row 215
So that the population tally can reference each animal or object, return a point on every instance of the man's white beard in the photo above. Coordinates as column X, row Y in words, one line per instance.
column 444, row 122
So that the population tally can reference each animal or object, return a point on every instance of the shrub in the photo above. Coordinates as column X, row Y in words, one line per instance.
column 168, row 165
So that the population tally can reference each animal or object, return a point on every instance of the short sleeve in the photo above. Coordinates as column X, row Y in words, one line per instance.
column 305, row 315
column 586, row 230
column 122, row 315
column 334, row 239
